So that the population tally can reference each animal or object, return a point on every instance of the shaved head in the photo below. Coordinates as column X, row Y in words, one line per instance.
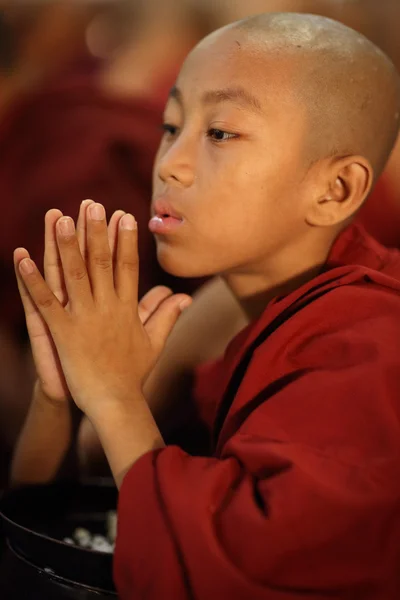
column 349, row 87
column 274, row 132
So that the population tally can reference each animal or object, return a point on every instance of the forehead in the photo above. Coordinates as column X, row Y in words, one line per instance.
column 229, row 59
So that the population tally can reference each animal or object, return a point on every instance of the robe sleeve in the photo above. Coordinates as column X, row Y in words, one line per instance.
column 302, row 501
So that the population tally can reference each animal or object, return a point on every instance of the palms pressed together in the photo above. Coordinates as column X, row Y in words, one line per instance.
column 156, row 314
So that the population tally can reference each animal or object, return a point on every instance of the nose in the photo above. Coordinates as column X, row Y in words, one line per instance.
column 176, row 164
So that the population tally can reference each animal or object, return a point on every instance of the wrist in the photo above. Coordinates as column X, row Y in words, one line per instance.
column 126, row 431
column 105, row 408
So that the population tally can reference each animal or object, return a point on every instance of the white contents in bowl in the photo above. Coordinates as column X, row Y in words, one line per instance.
column 84, row 539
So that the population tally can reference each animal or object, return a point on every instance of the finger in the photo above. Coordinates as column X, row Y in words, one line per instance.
column 162, row 321
column 52, row 264
column 99, row 253
column 41, row 295
column 113, row 232
column 81, row 227
column 74, row 269
column 35, row 323
column 151, row 301
column 29, row 307
column 127, row 262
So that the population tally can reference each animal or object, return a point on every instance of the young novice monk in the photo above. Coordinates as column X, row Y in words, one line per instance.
column 274, row 134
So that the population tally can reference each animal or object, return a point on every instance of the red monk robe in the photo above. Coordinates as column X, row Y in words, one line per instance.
column 63, row 145
column 300, row 496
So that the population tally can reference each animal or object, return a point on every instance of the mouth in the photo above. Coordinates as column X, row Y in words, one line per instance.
column 163, row 209
column 165, row 219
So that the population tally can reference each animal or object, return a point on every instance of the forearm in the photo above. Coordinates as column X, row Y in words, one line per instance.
column 44, row 441
column 126, row 433
column 16, row 382
column 201, row 334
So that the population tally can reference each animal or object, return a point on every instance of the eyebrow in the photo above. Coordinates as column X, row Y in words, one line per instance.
column 233, row 94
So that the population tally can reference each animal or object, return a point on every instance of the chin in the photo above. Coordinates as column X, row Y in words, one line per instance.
column 181, row 264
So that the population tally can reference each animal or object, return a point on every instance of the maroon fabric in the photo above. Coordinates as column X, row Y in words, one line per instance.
column 380, row 214
column 300, row 496
column 63, row 145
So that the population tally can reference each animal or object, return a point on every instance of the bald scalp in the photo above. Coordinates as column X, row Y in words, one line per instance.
column 350, row 88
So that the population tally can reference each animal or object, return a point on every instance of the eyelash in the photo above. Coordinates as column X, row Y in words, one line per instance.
column 172, row 130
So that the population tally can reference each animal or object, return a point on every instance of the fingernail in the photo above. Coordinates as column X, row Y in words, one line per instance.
column 128, row 222
column 27, row 266
column 66, row 226
column 97, row 212
column 185, row 304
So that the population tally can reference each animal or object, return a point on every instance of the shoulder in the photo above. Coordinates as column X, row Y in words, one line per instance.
column 348, row 324
column 352, row 324
column 375, row 297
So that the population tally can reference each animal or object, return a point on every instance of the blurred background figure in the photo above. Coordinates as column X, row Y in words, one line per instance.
column 83, row 84
column 39, row 42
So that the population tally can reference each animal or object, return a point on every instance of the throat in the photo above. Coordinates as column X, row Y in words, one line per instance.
column 255, row 293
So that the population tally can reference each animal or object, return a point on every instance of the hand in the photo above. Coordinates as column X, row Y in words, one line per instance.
column 47, row 364
column 105, row 350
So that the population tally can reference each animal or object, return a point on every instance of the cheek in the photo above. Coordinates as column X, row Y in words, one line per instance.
column 228, row 187
column 231, row 216
column 243, row 201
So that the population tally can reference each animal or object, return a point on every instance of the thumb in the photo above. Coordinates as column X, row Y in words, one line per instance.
column 162, row 321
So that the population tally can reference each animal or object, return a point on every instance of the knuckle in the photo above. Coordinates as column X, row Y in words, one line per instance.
column 102, row 261
column 131, row 265
column 46, row 301
column 77, row 274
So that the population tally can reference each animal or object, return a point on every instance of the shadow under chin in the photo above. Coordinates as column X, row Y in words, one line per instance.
column 183, row 266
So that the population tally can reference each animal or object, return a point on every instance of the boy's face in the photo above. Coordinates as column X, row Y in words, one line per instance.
column 231, row 164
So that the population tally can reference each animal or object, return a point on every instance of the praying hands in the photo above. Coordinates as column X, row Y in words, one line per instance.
column 90, row 336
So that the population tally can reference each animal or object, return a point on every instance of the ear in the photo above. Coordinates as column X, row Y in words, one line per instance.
column 344, row 185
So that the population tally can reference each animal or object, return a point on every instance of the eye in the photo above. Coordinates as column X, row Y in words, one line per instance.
column 221, row 136
column 170, row 130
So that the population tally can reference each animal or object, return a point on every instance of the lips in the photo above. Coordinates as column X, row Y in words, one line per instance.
column 163, row 209
column 166, row 220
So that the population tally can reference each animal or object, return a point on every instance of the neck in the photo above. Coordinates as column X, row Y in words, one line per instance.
column 289, row 269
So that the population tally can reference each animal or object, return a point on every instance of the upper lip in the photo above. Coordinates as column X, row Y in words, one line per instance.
column 162, row 208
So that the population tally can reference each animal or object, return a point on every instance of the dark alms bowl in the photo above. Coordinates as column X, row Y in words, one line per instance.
column 36, row 519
